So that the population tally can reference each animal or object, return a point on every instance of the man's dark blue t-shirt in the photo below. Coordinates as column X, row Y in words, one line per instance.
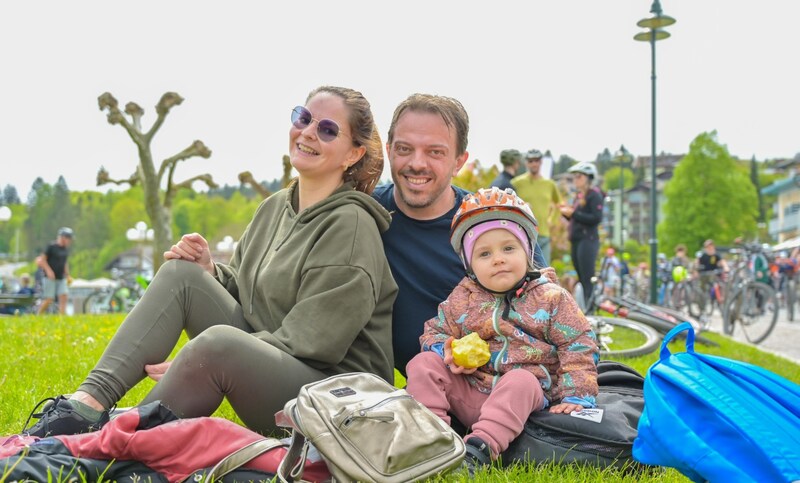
column 57, row 258
column 425, row 267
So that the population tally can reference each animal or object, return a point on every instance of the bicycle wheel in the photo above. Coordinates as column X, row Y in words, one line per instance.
column 96, row 303
column 680, row 297
column 693, row 300
column 753, row 312
column 711, row 301
column 631, row 339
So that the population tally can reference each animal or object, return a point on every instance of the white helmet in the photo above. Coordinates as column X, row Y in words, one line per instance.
column 585, row 167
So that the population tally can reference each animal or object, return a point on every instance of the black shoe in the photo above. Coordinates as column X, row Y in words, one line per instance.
column 478, row 456
column 58, row 416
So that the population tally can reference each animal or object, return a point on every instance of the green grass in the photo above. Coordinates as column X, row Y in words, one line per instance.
column 50, row 355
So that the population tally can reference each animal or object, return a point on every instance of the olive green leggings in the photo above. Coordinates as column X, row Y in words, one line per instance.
column 222, row 359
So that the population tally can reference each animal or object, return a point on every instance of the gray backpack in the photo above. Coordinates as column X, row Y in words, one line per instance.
column 367, row 430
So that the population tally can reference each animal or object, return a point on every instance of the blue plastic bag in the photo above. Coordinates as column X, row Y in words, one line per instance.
column 717, row 419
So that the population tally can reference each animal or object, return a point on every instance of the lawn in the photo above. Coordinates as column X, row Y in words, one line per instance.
column 47, row 356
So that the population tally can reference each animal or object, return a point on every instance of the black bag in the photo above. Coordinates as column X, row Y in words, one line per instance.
column 602, row 436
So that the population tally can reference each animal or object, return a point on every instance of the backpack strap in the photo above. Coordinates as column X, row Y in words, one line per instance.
column 684, row 326
column 240, row 457
column 294, row 461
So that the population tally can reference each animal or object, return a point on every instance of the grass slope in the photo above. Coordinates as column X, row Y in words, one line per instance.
column 50, row 355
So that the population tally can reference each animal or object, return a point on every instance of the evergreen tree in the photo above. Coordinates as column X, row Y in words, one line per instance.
column 563, row 164
column 709, row 196
column 604, row 161
column 10, row 195
column 756, row 183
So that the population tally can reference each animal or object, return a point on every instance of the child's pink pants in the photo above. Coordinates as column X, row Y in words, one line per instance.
column 497, row 418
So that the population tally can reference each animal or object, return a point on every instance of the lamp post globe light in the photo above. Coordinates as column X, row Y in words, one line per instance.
column 140, row 234
column 5, row 213
column 655, row 32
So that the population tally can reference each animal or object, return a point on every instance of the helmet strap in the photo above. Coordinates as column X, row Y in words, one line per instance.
column 510, row 294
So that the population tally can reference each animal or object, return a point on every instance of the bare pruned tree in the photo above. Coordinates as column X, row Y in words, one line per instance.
column 159, row 185
column 246, row 177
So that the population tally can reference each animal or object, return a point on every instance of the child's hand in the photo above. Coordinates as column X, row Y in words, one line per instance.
column 449, row 362
column 565, row 408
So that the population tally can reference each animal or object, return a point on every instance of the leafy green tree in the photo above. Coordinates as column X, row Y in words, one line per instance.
column 40, row 227
column 709, row 196
column 611, row 179
column 474, row 176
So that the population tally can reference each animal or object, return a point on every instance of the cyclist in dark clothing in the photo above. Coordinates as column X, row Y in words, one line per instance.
column 709, row 265
column 584, row 216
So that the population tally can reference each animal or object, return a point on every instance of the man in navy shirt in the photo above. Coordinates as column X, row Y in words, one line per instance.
column 54, row 263
column 426, row 147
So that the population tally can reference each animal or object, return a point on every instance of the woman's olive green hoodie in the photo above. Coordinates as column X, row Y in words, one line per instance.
column 316, row 284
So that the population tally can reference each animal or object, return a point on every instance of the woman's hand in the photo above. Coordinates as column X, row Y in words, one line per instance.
column 566, row 210
column 157, row 371
column 449, row 362
column 565, row 408
column 194, row 248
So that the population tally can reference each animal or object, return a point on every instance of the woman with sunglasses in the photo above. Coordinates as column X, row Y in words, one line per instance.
column 307, row 294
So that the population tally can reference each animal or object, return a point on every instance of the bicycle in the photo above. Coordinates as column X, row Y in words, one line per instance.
column 688, row 295
column 783, row 279
column 753, row 309
column 631, row 339
column 119, row 298
column 752, row 305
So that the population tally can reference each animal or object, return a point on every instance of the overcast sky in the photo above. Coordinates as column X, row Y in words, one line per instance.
column 560, row 75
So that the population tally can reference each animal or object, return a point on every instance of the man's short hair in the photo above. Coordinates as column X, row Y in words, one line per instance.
column 708, row 242
column 451, row 110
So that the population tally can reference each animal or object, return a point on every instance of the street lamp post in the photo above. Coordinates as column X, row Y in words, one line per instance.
column 654, row 24
column 622, row 155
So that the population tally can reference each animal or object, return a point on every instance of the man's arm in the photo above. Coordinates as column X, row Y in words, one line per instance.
column 41, row 261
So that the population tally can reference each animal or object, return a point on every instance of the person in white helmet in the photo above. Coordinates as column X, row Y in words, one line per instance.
column 584, row 217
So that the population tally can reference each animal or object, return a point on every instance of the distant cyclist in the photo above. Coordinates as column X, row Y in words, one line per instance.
column 664, row 274
column 709, row 265
column 584, row 217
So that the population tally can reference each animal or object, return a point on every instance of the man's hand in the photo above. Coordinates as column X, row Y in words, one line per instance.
column 194, row 248
column 157, row 371
column 449, row 362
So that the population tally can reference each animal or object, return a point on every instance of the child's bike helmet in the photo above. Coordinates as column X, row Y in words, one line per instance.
column 489, row 204
column 585, row 167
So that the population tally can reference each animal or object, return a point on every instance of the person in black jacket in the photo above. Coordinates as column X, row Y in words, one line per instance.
column 584, row 217
column 510, row 159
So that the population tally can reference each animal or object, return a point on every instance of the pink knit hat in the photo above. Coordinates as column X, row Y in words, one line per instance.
column 476, row 231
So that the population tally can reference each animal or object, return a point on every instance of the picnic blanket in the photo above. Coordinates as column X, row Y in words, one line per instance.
column 145, row 442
